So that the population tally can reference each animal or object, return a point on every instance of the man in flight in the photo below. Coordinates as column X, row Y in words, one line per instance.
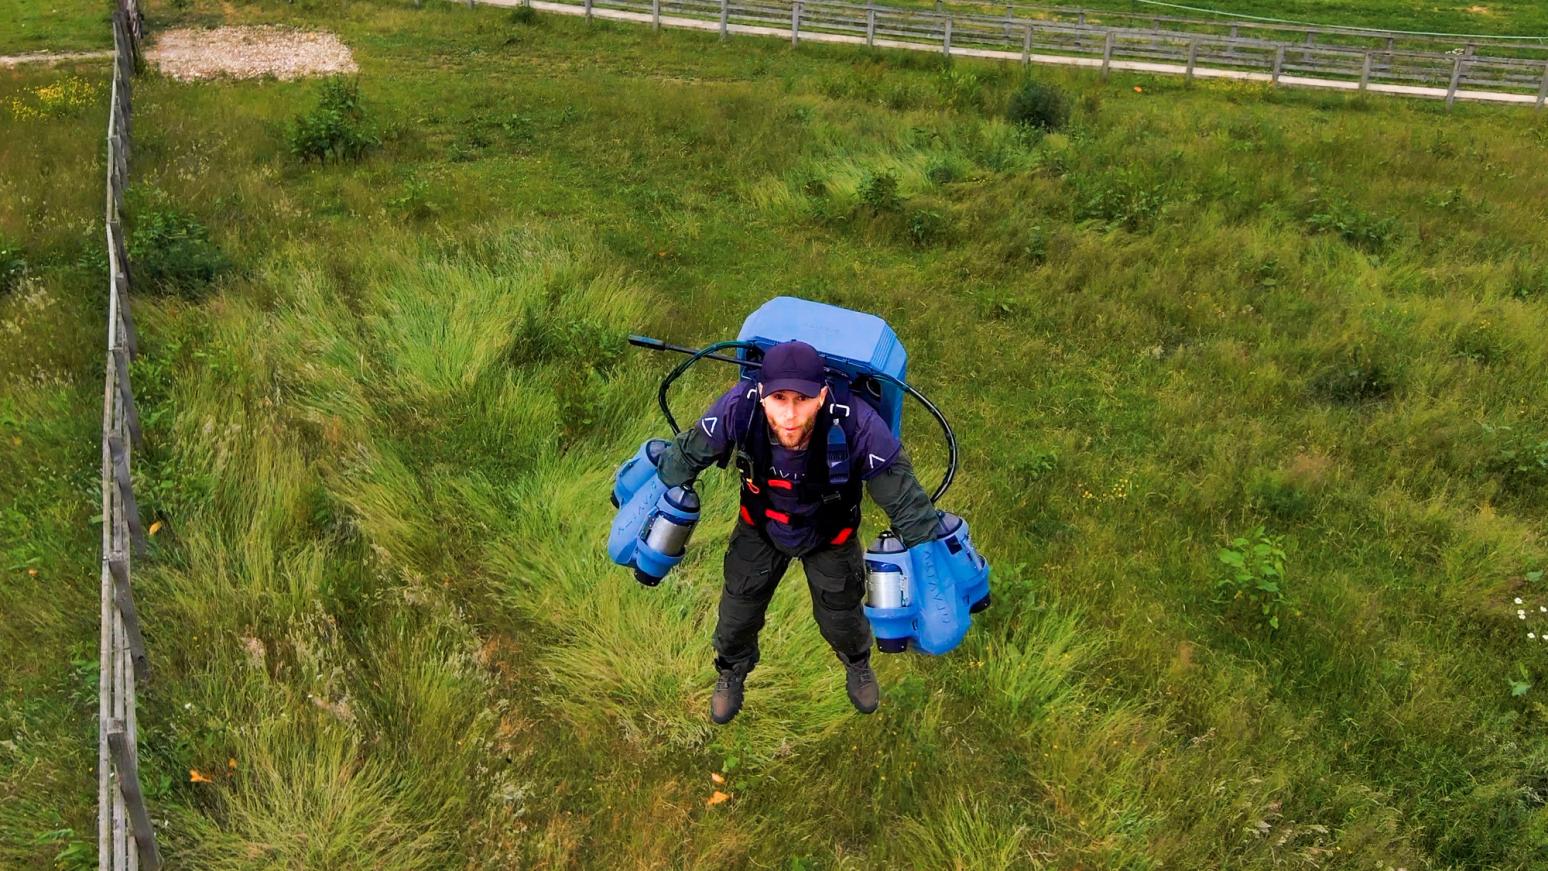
column 800, row 499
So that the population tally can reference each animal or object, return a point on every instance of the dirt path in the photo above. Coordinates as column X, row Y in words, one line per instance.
column 189, row 54
column 50, row 57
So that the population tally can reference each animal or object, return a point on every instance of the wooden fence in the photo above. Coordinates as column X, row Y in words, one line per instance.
column 126, row 838
column 1477, row 70
column 1275, row 31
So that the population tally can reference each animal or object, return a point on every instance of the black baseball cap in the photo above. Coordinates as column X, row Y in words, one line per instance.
column 792, row 365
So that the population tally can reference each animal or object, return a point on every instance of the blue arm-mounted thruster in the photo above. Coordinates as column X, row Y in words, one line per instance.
column 651, row 530
column 924, row 596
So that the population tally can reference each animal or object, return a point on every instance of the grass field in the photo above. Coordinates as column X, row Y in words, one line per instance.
column 55, row 25
column 385, row 631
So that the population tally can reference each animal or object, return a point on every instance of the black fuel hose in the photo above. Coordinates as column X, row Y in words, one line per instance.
column 708, row 353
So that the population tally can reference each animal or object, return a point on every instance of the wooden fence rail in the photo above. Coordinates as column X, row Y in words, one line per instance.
column 1384, row 63
column 126, row 839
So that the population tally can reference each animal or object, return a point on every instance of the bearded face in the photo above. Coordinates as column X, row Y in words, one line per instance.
column 792, row 416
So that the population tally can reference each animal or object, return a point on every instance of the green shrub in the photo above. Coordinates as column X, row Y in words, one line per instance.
column 926, row 227
column 1517, row 459
column 943, row 169
column 961, row 89
column 13, row 266
column 172, row 252
column 1038, row 105
column 1253, row 588
column 1359, row 228
column 336, row 128
column 879, row 192
column 1127, row 199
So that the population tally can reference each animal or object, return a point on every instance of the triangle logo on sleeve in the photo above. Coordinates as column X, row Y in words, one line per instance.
column 874, row 460
column 709, row 425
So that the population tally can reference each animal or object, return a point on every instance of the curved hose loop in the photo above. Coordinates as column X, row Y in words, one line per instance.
column 708, row 350
column 951, row 438
column 666, row 383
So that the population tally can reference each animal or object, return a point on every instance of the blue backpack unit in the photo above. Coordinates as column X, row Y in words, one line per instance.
column 920, row 597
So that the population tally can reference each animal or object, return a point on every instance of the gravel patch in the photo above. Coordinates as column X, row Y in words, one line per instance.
column 249, row 52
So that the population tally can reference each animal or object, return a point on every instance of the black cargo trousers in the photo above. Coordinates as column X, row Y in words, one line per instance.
column 835, row 575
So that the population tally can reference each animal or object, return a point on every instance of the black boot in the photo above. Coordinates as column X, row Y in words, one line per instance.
column 860, row 681
column 728, row 696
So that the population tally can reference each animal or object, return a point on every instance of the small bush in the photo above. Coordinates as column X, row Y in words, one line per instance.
column 926, row 227
column 1517, row 459
column 172, row 251
column 414, row 201
column 961, row 89
column 337, row 128
column 524, row 15
column 943, row 169
column 1038, row 105
column 13, row 266
column 879, row 193
column 1359, row 228
column 1253, row 588
column 1125, row 199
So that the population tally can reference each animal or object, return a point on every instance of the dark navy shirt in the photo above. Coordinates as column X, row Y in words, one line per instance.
column 872, row 450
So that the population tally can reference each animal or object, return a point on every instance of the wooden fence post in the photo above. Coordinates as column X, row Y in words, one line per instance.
column 588, row 10
column 946, row 41
column 1193, row 53
column 1456, row 79
column 120, row 462
column 655, row 14
column 1365, row 72
column 1026, row 47
column 725, row 19
column 1107, row 54
column 126, row 396
column 795, row 23
column 128, row 770
column 1542, row 91
column 1279, row 62
column 123, row 597
column 870, row 24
